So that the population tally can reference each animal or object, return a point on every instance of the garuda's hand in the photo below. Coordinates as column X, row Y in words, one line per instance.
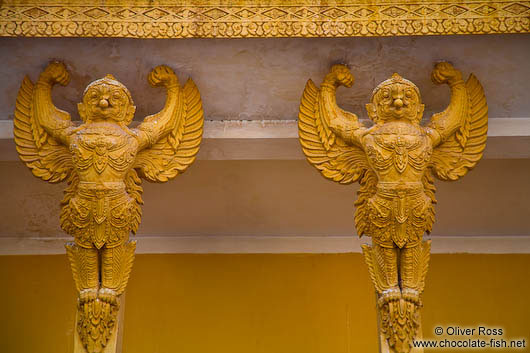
column 444, row 72
column 54, row 73
column 163, row 76
column 339, row 75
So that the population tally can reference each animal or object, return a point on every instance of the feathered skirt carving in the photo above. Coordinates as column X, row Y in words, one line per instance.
column 399, row 217
column 97, row 218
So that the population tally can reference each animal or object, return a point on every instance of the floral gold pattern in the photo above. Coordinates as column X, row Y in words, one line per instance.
column 242, row 19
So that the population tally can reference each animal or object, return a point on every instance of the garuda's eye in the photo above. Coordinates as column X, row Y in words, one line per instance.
column 386, row 94
column 408, row 94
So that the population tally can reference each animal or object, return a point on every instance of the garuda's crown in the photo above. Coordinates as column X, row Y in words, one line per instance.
column 109, row 80
column 396, row 78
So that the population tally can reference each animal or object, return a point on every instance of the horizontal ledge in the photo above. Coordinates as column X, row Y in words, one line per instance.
column 259, row 129
column 220, row 129
column 278, row 140
column 219, row 244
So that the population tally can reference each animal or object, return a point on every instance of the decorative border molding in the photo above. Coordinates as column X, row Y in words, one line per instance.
column 223, row 244
column 247, row 19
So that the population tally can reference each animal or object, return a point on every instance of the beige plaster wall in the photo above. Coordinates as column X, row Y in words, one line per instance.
column 274, row 198
column 264, row 78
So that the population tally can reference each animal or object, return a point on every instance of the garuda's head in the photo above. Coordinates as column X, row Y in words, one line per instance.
column 107, row 99
column 394, row 99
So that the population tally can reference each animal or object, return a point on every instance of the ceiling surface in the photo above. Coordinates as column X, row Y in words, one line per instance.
column 264, row 78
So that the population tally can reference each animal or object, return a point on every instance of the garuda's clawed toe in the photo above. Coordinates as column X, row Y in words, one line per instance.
column 108, row 295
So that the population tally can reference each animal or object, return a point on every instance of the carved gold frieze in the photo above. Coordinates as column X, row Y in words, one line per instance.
column 103, row 161
column 241, row 19
column 395, row 161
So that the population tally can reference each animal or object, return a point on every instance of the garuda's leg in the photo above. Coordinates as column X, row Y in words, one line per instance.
column 398, row 297
column 400, row 318
column 85, row 269
column 100, row 277
column 382, row 260
column 414, row 261
column 386, row 257
column 116, row 265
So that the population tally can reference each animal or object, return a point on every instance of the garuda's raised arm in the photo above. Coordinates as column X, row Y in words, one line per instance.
column 343, row 123
column 157, row 126
column 170, row 139
column 459, row 132
column 453, row 118
column 41, row 130
column 54, row 121
column 330, row 136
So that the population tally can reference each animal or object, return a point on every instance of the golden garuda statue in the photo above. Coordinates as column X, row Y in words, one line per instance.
column 102, row 160
column 394, row 160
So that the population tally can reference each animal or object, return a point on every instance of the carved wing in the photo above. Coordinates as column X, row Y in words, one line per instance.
column 174, row 153
column 423, row 264
column 47, row 158
column 133, row 185
column 430, row 190
column 461, row 152
column 328, row 153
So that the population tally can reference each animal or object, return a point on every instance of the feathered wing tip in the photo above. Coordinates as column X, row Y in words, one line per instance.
column 173, row 154
column 425, row 257
column 324, row 150
column 46, row 158
column 69, row 193
column 133, row 186
column 430, row 190
column 461, row 152
column 367, row 190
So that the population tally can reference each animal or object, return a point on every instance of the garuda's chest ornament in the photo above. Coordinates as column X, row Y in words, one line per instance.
column 102, row 160
column 395, row 160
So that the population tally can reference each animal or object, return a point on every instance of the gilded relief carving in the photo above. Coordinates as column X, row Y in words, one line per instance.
column 395, row 160
column 102, row 160
column 246, row 18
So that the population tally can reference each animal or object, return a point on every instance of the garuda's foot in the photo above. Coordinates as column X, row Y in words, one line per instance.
column 108, row 295
column 391, row 294
column 87, row 295
column 97, row 318
column 411, row 295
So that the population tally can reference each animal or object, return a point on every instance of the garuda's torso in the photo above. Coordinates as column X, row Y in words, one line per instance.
column 398, row 153
column 99, row 212
column 103, row 152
